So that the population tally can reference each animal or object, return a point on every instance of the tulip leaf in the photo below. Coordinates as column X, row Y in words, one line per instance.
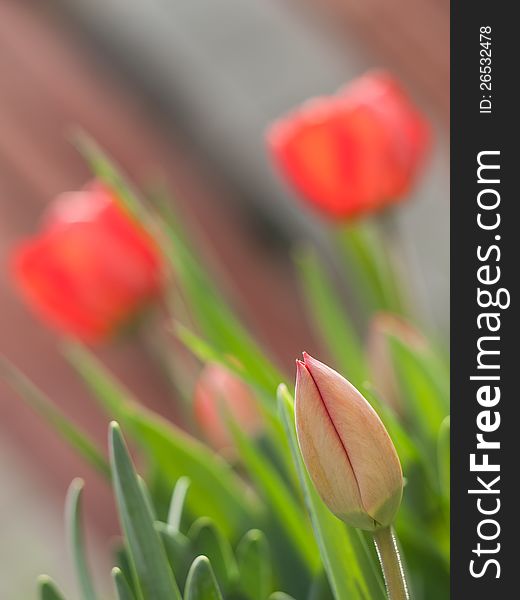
column 320, row 588
column 215, row 491
column 372, row 268
column 280, row 596
column 254, row 565
column 121, row 584
column 201, row 583
column 177, row 503
column 40, row 403
column 443, row 460
column 148, row 557
column 207, row 540
column 106, row 171
column 178, row 550
column 277, row 495
column 330, row 317
column 47, row 589
column 217, row 321
column 424, row 385
column 336, row 547
column 73, row 521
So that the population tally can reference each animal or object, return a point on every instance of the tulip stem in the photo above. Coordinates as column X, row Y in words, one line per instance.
column 390, row 559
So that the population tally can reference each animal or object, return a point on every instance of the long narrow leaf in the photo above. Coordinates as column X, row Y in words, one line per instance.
column 275, row 492
column 144, row 544
column 73, row 522
column 330, row 317
column 40, row 403
column 216, row 491
column 47, row 589
column 254, row 565
column 178, row 550
column 208, row 540
column 201, row 583
column 374, row 273
column 177, row 503
column 121, row 584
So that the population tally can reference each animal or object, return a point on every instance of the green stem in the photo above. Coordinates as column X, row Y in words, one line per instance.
column 388, row 552
column 372, row 266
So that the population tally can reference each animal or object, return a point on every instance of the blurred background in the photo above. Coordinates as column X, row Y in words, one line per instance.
column 179, row 93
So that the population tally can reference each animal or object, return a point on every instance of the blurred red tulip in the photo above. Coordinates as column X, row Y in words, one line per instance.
column 218, row 390
column 92, row 267
column 353, row 153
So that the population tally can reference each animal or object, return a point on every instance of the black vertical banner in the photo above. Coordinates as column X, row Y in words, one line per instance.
column 485, row 251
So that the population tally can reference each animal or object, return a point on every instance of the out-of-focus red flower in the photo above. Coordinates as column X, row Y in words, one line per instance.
column 219, row 391
column 91, row 268
column 353, row 153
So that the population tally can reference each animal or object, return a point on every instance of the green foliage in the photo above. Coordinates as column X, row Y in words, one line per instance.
column 201, row 583
column 73, row 520
column 154, row 578
column 254, row 565
column 47, row 589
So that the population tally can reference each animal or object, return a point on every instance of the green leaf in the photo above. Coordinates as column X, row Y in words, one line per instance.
column 106, row 171
column 144, row 544
column 443, row 460
column 425, row 386
column 254, row 565
column 329, row 316
column 375, row 275
column 47, row 589
column 177, row 502
column 201, row 583
column 335, row 542
column 273, row 488
column 178, row 550
column 280, row 596
column 320, row 588
column 121, row 584
column 215, row 491
column 207, row 540
column 40, row 403
column 218, row 322
column 73, row 521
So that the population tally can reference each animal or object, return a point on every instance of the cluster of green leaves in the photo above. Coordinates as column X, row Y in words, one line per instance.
column 246, row 529
column 158, row 558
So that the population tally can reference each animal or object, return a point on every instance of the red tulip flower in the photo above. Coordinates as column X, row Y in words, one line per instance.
column 353, row 153
column 91, row 268
column 218, row 390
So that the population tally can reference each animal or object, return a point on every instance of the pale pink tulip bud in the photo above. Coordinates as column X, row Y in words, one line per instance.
column 346, row 448
column 383, row 327
column 219, row 392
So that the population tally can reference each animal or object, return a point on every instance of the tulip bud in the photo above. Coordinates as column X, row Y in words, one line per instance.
column 346, row 448
column 383, row 327
column 219, row 391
